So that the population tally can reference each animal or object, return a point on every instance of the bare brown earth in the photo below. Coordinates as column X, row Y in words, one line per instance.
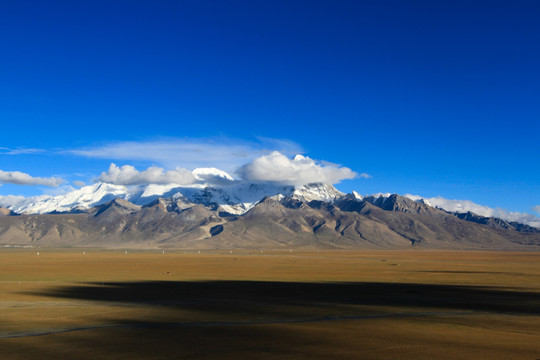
column 66, row 304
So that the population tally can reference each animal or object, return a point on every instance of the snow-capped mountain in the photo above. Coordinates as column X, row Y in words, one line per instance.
column 183, row 221
column 213, row 188
column 218, row 190
column 320, row 192
column 267, row 215
column 80, row 199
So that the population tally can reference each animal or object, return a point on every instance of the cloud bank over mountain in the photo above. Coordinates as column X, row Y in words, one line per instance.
column 300, row 170
column 273, row 168
column 128, row 175
column 463, row 206
column 226, row 154
column 20, row 178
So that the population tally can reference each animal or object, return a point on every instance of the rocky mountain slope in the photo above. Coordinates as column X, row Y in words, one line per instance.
column 313, row 216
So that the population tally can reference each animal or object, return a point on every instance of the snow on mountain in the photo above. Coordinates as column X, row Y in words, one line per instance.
column 235, row 197
column 379, row 195
column 357, row 196
column 144, row 194
column 14, row 201
column 320, row 192
column 80, row 199
column 424, row 201
column 216, row 188
column 377, row 199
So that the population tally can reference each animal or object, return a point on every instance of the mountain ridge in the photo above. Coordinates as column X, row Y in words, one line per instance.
column 278, row 221
column 218, row 211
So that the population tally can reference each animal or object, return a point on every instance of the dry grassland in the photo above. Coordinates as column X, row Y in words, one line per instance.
column 63, row 304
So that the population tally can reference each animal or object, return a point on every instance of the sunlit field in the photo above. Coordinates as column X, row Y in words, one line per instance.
column 268, row 304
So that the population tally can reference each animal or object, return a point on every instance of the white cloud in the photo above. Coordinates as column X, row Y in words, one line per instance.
column 20, row 178
column 300, row 170
column 223, row 153
column 536, row 209
column 463, row 206
column 79, row 183
column 274, row 167
column 212, row 176
column 22, row 151
column 128, row 175
column 10, row 200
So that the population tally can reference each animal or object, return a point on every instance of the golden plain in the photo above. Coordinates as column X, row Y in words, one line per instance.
column 268, row 304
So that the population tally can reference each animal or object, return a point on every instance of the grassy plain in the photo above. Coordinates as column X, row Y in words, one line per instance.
column 66, row 304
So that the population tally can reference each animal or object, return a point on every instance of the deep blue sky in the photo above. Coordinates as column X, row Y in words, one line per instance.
column 428, row 97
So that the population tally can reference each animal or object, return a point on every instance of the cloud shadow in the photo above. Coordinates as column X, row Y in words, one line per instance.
column 256, row 297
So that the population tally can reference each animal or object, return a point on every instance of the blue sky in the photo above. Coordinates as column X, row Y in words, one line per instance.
column 436, row 98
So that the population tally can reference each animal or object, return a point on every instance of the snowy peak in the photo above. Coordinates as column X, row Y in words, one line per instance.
column 81, row 199
column 377, row 198
column 316, row 192
column 232, row 196
column 235, row 197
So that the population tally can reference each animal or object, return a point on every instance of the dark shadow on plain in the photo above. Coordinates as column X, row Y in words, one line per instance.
column 195, row 342
column 267, row 320
column 255, row 297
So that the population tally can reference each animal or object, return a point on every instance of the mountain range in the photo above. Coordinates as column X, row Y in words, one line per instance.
column 219, row 212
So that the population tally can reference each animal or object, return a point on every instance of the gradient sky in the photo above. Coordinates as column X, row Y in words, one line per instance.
column 436, row 98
